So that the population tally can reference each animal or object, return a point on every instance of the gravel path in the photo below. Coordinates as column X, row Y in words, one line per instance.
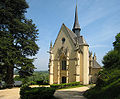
column 10, row 93
column 72, row 93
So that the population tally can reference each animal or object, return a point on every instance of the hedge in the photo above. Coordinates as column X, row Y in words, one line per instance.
column 38, row 82
column 65, row 85
column 36, row 92
column 110, row 91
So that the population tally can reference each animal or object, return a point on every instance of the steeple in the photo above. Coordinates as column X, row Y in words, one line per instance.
column 76, row 28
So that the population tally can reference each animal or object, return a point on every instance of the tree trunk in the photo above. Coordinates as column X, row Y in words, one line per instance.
column 9, row 77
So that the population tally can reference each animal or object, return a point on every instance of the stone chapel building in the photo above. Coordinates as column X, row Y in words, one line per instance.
column 70, row 59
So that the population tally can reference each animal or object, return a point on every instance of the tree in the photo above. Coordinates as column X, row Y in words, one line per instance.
column 116, row 44
column 111, row 60
column 18, row 37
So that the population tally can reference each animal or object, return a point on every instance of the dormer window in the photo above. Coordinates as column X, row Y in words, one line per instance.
column 63, row 40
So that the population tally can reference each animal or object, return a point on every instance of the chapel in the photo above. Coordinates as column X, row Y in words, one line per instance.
column 70, row 59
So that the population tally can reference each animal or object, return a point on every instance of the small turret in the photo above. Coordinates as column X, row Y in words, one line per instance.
column 94, row 57
column 50, row 45
column 90, row 56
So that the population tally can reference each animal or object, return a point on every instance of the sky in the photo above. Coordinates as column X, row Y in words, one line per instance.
column 99, row 21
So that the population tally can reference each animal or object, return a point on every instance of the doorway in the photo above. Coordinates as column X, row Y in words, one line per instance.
column 63, row 79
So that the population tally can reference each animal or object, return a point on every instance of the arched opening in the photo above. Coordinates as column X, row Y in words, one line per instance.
column 63, row 62
column 63, row 79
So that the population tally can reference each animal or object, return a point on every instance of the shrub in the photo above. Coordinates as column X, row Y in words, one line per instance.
column 36, row 93
column 39, row 82
column 32, row 83
column 3, row 85
column 65, row 85
column 107, row 88
column 17, row 78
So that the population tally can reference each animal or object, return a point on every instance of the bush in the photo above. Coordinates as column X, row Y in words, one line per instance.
column 32, row 83
column 36, row 93
column 39, row 82
column 38, row 77
column 64, row 85
column 110, row 91
column 17, row 78
column 2, row 85
column 107, row 86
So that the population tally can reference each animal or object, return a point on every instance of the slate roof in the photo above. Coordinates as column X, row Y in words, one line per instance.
column 95, row 64
column 74, row 37
column 71, row 34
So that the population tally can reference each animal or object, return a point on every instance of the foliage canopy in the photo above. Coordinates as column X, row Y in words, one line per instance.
column 18, row 36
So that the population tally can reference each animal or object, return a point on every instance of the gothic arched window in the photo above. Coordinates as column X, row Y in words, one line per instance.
column 63, row 64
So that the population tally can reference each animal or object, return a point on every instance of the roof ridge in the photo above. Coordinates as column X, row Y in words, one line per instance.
column 69, row 29
column 70, row 33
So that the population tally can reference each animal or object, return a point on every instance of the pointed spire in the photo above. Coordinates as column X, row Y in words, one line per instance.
column 91, row 53
column 94, row 57
column 90, row 56
column 50, row 44
column 76, row 23
column 76, row 28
